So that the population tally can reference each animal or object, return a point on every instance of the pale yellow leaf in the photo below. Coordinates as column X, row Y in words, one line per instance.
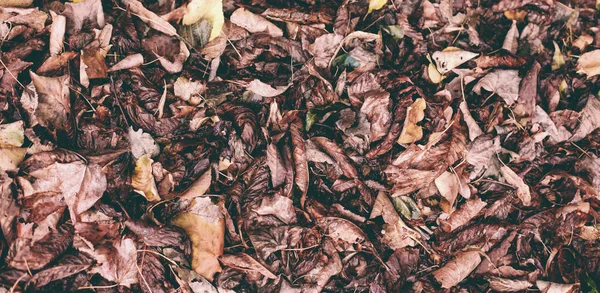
column 589, row 63
column 143, row 180
column 376, row 5
column 211, row 10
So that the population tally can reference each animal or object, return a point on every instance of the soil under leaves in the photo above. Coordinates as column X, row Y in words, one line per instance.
column 300, row 146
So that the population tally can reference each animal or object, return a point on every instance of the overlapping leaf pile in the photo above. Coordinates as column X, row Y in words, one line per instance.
column 300, row 146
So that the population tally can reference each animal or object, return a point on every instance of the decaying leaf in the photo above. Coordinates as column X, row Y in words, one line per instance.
column 590, row 121
column 131, row 61
column 522, row 188
column 463, row 215
column 117, row 262
column 205, row 226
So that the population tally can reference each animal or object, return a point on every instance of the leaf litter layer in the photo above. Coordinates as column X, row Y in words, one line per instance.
column 300, row 146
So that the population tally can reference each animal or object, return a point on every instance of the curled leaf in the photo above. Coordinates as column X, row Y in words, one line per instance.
column 457, row 269
column 414, row 114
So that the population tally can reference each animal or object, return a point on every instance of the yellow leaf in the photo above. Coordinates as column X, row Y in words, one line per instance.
column 376, row 5
column 143, row 180
column 558, row 60
column 211, row 10
column 205, row 226
column 434, row 75
column 411, row 131
column 11, row 157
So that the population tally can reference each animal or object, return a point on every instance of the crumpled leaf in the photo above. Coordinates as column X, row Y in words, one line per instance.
column 590, row 120
column 508, row 285
column 504, row 83
column 522, row 188
column 142, row 143
column 67, row 266
column 210, row 10
column 412, row 132
column 205, row 226
column 143, row 180
column 589, row 63
column 176, row 65
column 82, row 12
column 457, row 269
column 254, row 23
column 324, row 48
column 11, row 138
column 451, row 58
column 188, row 90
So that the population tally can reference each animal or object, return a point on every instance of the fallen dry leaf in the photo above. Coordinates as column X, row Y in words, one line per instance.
column 457, row 269
column 588, row 63
column 143, row 180
column 412, row 132
column 254, row 23
column 205, row 226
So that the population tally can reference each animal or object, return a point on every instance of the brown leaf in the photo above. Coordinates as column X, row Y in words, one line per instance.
column 254, row 23
column 143, row 180
column 79, row 13
column 67, row 266
column 332, row 149
column 464, row 215
column 149, row 17
column 242, row 261
column 276, row 165
column 508, row 285
column 80, row 184
column 397, row 234
column 523, row 191
column 57, row 33
column 25, row 254
column 117, row 262
column 56, row 62
column 590, row 120
column 457, row 269
column 53, row 109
